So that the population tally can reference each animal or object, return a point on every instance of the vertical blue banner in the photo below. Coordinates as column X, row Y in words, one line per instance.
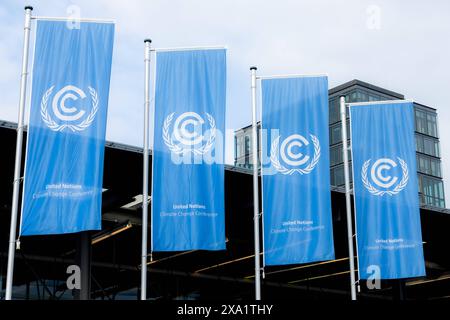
column 66, row 132
column 188, row 210
column 296, row 182
column 386, row 193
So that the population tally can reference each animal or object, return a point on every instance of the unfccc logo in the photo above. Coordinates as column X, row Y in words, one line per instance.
column 299, row 162
column 379, row 174
column 187, row 134
column 68, row 117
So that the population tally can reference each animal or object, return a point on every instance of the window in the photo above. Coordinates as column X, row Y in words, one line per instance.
column 247, row 145
column 336, row 155
column 259, row 135
column 334, row 114
column 239, row 148
column 431, row 191
column 421, row 121
column 427, row 145
column 436, row 168
column 426, row 122
column 429, row 165
column 419, row 143
column 431, row 147
column 361, row 96
column 432, row 124
column 337, row 176
column 423, row 164
column 335, row 133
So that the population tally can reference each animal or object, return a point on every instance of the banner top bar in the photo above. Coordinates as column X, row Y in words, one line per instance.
column 282, row 76
column 189, row 48
column 368, row 103
column 73, row 19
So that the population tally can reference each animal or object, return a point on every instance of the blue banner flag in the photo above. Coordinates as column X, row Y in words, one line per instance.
column 66, row 132
column 188, row 152
column 386, row 193
column 296, row 181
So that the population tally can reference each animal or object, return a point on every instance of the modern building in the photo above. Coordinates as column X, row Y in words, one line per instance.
column 112, row 256
column 431, row 187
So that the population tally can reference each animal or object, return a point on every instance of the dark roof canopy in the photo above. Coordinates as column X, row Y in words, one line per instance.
column 196, row 274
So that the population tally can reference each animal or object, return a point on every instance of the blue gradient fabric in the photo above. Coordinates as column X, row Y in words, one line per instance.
column 67, row 125
column 296, row 181
column 188, row 201
column 389, row 235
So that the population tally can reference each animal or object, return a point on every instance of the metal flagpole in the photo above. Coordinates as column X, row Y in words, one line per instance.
column 345, row 150
column 17, row 165
column 255, row 187
column 145, row 179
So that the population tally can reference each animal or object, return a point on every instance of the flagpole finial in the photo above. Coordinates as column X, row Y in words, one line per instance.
column 148, row 40
column 253, row 68
column 29, row 8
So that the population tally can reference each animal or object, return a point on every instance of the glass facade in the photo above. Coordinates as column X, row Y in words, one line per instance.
column 426, row 122
column 335, row 132
column 427, row 145
column 431, row 189
column 243, row 148
column 429, row 165
column 353, row 93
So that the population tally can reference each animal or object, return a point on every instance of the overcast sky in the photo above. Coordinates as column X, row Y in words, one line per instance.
column 403, row 46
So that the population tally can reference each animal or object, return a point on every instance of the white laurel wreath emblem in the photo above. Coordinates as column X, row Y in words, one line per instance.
column 48, row 120
column 275, row 160
column 176, row 148
column 400, row 186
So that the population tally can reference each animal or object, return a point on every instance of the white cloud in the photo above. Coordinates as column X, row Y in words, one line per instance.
column 408, row 54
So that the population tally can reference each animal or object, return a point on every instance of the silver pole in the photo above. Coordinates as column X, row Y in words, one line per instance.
column 345, row 150
column 145, row 179
column 255, row 187
column 17, row 165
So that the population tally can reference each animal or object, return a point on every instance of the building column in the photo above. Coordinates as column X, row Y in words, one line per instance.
column 83, row 260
